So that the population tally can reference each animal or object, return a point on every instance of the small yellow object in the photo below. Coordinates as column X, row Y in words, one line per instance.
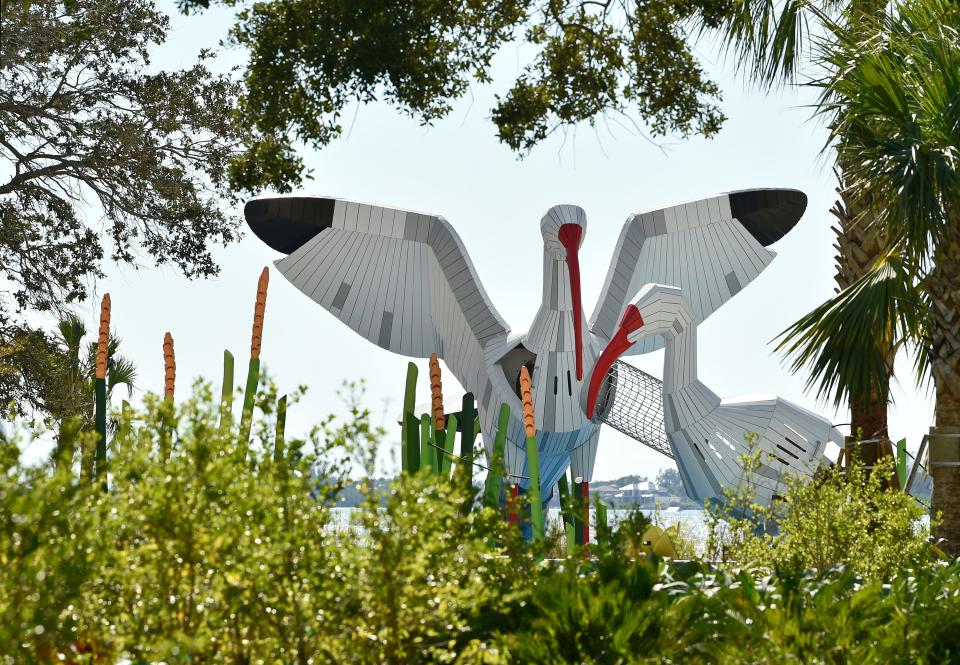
column 659, row 541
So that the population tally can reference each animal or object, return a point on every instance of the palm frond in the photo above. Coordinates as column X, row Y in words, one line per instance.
column 121, row 372
column 768, row 39
column 846, row 342
column 72, row 330
column 894, row 110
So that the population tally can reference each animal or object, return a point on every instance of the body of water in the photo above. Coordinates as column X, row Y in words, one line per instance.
column 693, row 523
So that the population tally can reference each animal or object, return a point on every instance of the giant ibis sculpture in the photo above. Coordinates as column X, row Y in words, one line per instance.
column 403, row 280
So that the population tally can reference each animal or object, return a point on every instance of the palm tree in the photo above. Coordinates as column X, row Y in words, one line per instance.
column 769, row 41
column 894, row 104
column 74, row 405
column 849, row 342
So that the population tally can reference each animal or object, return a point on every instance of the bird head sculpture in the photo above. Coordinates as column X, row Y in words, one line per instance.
column 563, row 229
column 658, row 310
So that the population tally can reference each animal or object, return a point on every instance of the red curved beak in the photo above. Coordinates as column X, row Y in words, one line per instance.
column 570, row 235
column 617, row 345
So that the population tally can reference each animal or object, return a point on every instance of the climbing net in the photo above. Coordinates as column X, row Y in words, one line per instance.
column 631, row 401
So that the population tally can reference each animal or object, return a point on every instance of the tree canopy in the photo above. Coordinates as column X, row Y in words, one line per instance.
column 82, row 122
column 309, row 60
column 102, row 157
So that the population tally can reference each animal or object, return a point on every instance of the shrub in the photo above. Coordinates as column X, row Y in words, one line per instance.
column 202, row 548
column 837, row 517
column 217, row 551
column 645, row 611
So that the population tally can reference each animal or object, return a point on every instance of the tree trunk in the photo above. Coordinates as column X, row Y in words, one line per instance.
column 943, row 288
column 868, row 415
column 858, row 245
column 869, row 442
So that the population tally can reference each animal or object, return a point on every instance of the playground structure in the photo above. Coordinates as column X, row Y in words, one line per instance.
column 404, row 281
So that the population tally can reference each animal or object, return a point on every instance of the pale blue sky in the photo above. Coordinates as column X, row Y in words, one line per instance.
column 458, row 169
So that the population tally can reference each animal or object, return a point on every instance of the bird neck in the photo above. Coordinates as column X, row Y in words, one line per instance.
column 555, row 318
column 686, row 399
column 680, row 360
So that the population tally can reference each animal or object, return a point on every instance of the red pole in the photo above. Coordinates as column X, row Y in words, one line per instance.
column 513, row 501
column 586, row 514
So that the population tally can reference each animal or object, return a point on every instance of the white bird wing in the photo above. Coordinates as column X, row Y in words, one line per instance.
column 710, row 248
column 401, row 279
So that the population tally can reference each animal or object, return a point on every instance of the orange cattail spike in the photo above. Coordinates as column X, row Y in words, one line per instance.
column 169, row 366
column 258, row 310
column 526, row 396
column 104, row 340
column 436, row 393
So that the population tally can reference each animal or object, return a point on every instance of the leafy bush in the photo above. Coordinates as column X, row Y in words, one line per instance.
column 621, row 611
column 841, row 516
column 204, row 549
column 626, row 539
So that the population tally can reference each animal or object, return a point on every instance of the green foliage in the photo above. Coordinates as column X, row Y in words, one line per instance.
column 626, row 539
column 82, row 120
column 768, row 39
column 889, row 76
column 32, row 365
column 216, row 545
column 600, row 59
column 310, row 60
column 103, row 157
column 555, row 540
column 622, row 611
column 225, row 552
column 849, row 341
column 841, row 516
column 421, row 573
column 229, row 552
column 893, row 101
column 49, row 381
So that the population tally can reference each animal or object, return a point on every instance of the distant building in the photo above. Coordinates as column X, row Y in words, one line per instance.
column 643, row 491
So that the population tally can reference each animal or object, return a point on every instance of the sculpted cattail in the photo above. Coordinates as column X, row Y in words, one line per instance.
column 436, row 393
column 169, row 366
column 104, row 339
column 258, row 311
column 526, row 397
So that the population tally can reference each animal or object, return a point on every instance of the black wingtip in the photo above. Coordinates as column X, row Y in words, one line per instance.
column 768, row 214
column 285, row 223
